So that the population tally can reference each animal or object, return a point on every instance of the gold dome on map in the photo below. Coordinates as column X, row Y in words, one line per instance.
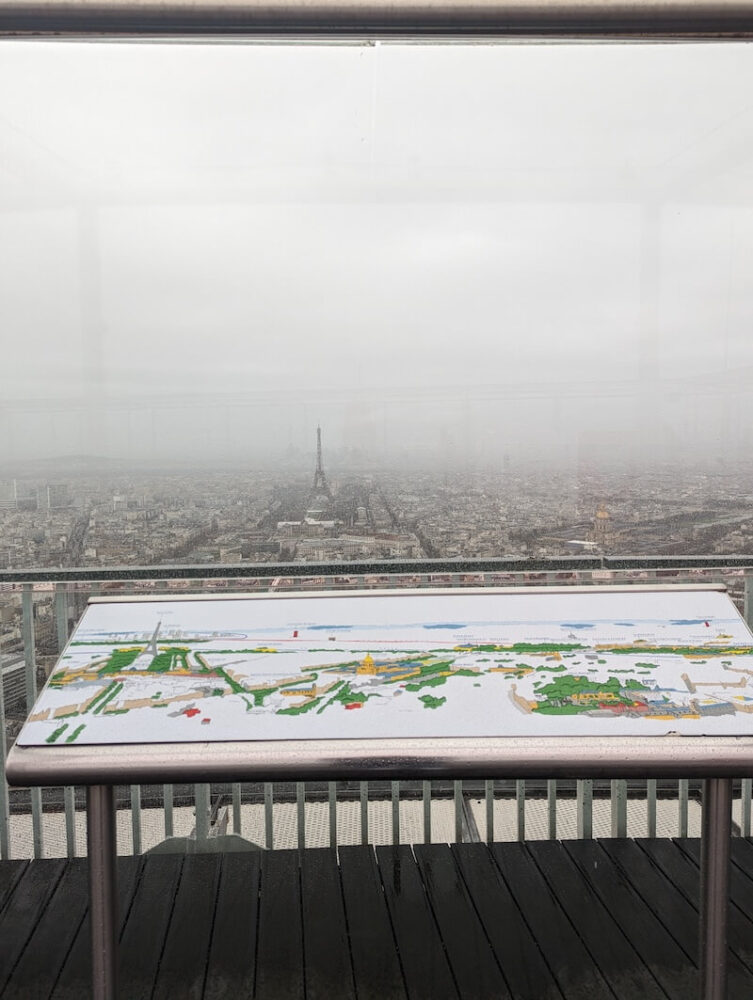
column 367, row 666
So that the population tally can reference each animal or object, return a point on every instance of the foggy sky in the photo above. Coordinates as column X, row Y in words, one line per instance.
column 540, row 250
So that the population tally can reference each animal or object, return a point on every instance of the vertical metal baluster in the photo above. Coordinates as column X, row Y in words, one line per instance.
column 61, row 630
column 4, row 800
column 551, row 808
column 584, row 804
column 167, row 801
column 457, row 790
column 520, row 802
column 30, row 671
column 69, row 798
column 332, row 795
column 136, row 818
column 300, row 797
column 364, row 790
column 202, row 805
column 61, row 616
column 426, row 787
column 395, row 812
column 682, row 807
column 746, row 787
column 489, row 802
column 748, row 597
column 269, row 826
column 236, row 808
column 651, row 807
column 619, row 807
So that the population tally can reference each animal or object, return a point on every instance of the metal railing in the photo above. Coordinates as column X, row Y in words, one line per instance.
column 40, row 607
column 412, row 18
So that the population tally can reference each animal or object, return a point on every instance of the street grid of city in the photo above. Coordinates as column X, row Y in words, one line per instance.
column 86, row 513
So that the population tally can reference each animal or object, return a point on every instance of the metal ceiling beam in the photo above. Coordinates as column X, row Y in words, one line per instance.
column 378, row 18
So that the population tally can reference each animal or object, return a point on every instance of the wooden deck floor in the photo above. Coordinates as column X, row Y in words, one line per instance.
column 577, row 920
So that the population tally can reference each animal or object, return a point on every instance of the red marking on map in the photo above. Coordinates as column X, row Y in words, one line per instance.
column 355, row 704
column 190, row 712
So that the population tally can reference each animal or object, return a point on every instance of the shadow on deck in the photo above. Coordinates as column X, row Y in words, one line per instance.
column 573, row 920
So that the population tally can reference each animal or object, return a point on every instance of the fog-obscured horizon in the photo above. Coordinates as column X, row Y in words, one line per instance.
column 442, row 253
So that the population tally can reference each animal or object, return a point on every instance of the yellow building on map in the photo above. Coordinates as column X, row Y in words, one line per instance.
column 367, row 667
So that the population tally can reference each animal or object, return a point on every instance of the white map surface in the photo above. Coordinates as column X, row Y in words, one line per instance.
column 400, row 665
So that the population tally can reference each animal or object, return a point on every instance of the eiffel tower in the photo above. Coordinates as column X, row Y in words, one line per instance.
column 321, row 486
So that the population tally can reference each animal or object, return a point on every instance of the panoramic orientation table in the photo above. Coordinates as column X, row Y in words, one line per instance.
column 580, row 682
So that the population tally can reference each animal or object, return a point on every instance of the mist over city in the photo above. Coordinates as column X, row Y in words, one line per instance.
column 510, row 284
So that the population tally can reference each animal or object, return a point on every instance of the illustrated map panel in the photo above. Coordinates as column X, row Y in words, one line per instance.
column 400, row 665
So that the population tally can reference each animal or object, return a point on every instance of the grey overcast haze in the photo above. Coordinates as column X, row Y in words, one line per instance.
column 435, row 251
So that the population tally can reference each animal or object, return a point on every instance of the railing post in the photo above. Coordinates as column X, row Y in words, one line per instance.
column 682, row 807
column 584, row 805
column 136, row 818
column 202, row 806
column 520, row 802
column 364, row 796
column 269, row 828
column 651, row 807
column 714, row 902
column 69, row 793
column 551, row 806
column 457, row 792
column 332, row 795
column 395, row 786
column 167, row 802
column 28, row 640
column 746, row 787
column 489, row 798
column 619, row 808
column 4, row 800
column 103, row 903
column 237, row 815
column 300, row 799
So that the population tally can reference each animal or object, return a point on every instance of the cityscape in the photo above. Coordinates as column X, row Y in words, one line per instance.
column 89, row 513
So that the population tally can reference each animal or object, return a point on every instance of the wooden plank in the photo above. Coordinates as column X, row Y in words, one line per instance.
column 614, row 955
column 183, row 965
column 74, row 982
column 328, row 969
column 376, row 964
column 670, row 965
column 740, row 886
column 232, row 955
column 565, row 954
column 18, row 920
column 146, row 928
column 47, row 949
column 685, row 876
column 525, row 969
column 279, row 960
column 472, row 960
column 10, row 875
column 425, row 967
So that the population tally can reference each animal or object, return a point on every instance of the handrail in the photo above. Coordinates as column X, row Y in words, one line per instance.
column 368, row 19
column 403, row 567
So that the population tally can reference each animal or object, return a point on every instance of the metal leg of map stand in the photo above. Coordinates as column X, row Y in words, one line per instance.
column 103, row 897
column 715, row 850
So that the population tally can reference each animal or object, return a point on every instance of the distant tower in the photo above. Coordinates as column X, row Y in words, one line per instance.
column 321, row 486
